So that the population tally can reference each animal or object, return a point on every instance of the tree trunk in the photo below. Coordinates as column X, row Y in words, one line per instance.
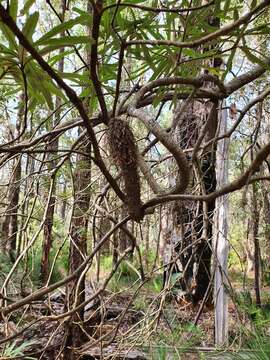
column 53, row 146
column 78, row 251
column 221, row 244
column 254, row 231
column 75, row 290
column 10, row 224
column 190, row 224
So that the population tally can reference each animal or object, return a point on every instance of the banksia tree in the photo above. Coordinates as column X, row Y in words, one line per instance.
column 124, row 151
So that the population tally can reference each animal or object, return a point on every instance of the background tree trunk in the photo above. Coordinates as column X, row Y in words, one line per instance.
column 221, row 244
column 53, row 146
column 75, row 290
column 78, row 250
column 10, row 223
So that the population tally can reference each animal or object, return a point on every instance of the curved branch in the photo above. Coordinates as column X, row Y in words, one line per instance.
column 159, row 10
column 148, row 176
column 178, row 80
column 237, row 184
column 173, row 148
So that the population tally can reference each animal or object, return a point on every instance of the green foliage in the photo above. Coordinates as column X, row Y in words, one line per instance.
column 178, row 335
column 5, row 263
column 127, row 272
column 158, row 283
column 5, row 267
column 34, row 261
column 140, row 303
column 161, row 353
column 258, row 348
column 175, row 343
column 13, row 350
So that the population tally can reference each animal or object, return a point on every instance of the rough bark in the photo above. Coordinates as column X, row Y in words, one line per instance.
column 75, row 290
column 190, row 224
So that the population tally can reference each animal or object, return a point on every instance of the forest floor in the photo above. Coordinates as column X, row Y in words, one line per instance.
column 127, row 323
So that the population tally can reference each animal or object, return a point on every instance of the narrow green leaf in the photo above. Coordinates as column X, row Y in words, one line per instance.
column 235, row 14
column 65, row 41
column 259, row 30
column 13, row 8
column 158, row 98
column 229, row 63
column 83, row 20
column 27, row 6
column 253, row 58
column 253, row 4
column 6, row 50
column 37, row 79
column 55, row 90
column 56, row 58
column 30, row 25
column 10, row 37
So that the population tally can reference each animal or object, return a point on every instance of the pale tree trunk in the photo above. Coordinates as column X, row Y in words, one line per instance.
column 220, row 243
column 48, row 223
column 255, row 221
column 10, row 224
column 266, row 208
column 26, row 196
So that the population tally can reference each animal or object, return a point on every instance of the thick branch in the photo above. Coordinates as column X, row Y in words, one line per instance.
column 237, row 184
column 167, row 141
